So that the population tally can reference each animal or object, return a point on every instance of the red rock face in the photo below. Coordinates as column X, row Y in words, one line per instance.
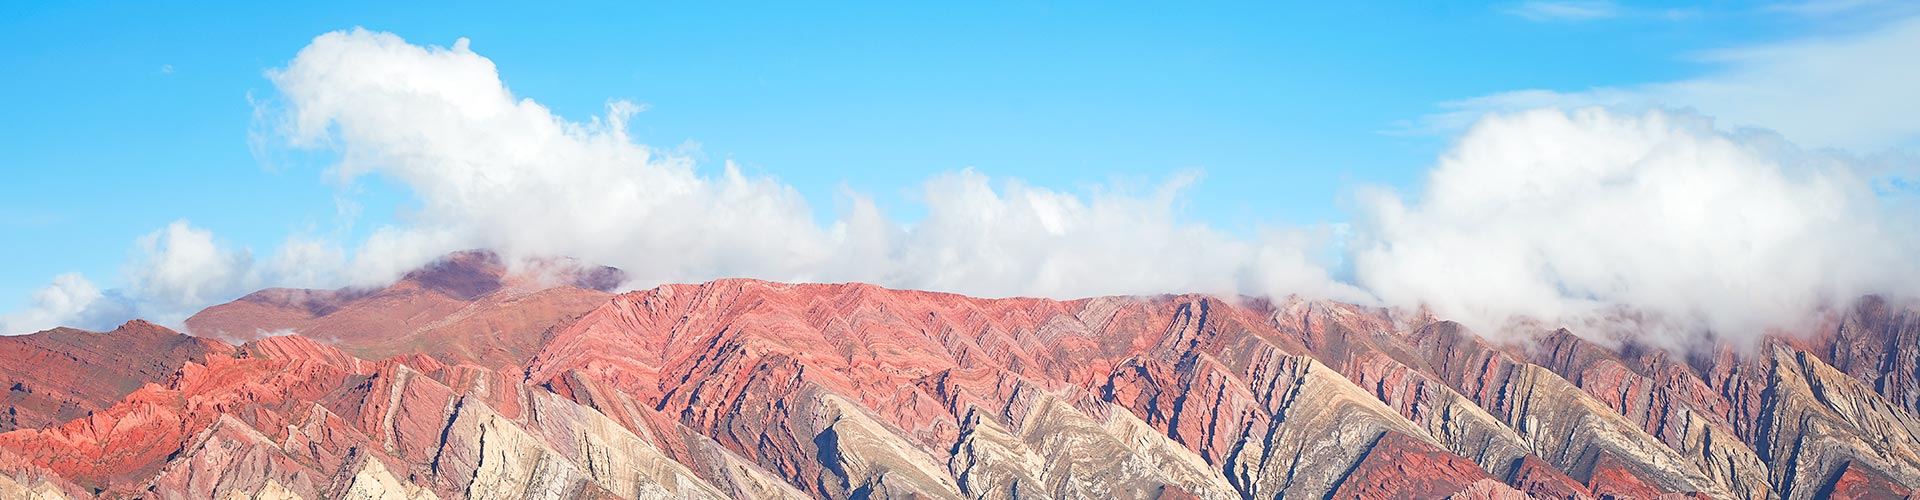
column 1403, row 467
column 63, row 374
column 1864, row 484
column 1540, row 480
column 116, row 448
column 472, row 378
column 1614, row 481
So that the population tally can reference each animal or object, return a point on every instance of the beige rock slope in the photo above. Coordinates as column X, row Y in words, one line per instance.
column 1060, row 452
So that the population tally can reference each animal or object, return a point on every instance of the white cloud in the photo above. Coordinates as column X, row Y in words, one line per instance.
column 492, row 170
column 1638, row 219
column 1025, row 240
column 181, row 269
column 1653, row 224
column 173, row 272
column 1853, row 91
column 1565, row 11
column 304, row 263
column 70, row 300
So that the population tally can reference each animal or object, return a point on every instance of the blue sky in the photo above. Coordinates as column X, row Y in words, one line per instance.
column 125, row 117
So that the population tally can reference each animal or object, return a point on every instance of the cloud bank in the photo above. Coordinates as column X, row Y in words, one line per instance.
column 1652, row 224
column 1619, row 221
column 492, row 170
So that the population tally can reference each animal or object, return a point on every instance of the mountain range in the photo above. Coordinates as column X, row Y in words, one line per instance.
column 473, row 378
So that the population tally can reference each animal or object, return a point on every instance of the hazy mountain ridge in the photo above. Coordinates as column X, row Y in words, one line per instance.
column 471, row 380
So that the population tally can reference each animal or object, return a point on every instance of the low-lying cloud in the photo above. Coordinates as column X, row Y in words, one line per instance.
column 1655, row 224
column 1617, row 221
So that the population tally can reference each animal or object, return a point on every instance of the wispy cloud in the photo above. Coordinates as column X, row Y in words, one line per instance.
column 1851, row 91
column 1823, row 7
column 1565, row 11
column 29, row 218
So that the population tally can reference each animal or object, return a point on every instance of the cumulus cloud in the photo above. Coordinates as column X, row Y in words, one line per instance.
column 1604, row 208
column 1653, row 224
column 180, row 268
column 1851, row 91
column 493, row 170
column 172, row 272
column 70, row 300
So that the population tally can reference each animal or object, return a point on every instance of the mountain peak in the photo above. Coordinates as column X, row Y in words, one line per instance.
column 141, row 326
column 470, row 274
column 463, row 275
